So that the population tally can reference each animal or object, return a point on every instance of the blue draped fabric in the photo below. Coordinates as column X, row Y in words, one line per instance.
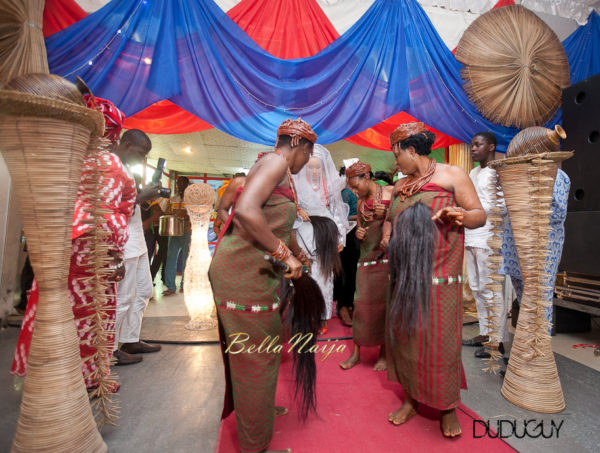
column 137, row 52
column 583, row 49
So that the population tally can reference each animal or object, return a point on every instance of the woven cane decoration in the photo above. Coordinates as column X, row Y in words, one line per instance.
column 199, row 200
column 98, row 261
column 527, row 182
column 493, row 303
column 44, row 143
column 515, row 67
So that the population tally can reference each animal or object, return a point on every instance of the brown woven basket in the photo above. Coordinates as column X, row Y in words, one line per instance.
column 44, row 156
column 531, row 379
column 536, row 140
column 515, row 67
column 16, row 103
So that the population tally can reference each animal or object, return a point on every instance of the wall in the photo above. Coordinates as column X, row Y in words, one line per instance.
column 11, row 260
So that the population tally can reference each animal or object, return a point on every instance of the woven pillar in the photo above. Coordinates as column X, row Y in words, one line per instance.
column 44, row 156
column 531, row 379
column 494, row 303
column 460, row 155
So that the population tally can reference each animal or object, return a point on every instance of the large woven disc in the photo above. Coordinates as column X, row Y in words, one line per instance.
column 515, row 67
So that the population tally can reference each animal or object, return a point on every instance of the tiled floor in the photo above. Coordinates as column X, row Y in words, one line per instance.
column 159, row 305
column 563, row 343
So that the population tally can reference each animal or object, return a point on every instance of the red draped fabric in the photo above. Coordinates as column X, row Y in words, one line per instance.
column 503, row 3
column 59, row 14
column 164, row 117
column 290, row 29
column 267, row 23
column 378, row 136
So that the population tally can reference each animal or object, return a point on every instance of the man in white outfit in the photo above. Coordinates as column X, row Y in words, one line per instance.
column 135, row 290
column 477, row 250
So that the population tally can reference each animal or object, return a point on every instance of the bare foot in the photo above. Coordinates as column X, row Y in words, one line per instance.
column 279, row 411
column 381, row 364
column 449, row 424
column 405, row 413
column 353, row 360
column 345, row 316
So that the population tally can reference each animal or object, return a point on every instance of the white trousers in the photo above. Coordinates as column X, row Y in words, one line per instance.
column 478, row 271
column 133, row 294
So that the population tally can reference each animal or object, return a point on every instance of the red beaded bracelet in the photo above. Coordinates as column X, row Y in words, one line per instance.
column 282, row 253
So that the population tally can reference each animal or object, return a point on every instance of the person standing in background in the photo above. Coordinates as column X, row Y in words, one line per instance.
column 135, row 290
column 151, row 214
column 372, row 276
column 345, row 283
column 477, row 250
column 178, row 244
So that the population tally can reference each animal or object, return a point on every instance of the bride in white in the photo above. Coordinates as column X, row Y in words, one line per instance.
column 319, row 187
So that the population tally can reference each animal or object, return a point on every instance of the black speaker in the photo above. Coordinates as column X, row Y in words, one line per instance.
column 581, row 250
column 581, row 121
column 570, row 321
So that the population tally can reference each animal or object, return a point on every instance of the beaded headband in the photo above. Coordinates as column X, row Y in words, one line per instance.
column 296, row 129
column 405, row 130
column 357, row 169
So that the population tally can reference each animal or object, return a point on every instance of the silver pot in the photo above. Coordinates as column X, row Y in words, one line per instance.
column 169, row 225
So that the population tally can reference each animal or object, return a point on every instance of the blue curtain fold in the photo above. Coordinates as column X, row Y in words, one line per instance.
column 192, row 53
column 583, row 49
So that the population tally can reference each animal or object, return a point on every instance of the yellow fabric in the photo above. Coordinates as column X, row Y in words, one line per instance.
column 221, row 189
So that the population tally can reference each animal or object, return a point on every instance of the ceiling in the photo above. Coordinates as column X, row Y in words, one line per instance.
column 216, row 153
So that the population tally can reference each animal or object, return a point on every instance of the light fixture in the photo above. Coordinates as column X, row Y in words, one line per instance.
column 147, row 60
column 199, row 200
column 187, row 149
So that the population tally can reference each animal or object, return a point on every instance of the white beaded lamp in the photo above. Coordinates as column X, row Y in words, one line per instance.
column 199, row 200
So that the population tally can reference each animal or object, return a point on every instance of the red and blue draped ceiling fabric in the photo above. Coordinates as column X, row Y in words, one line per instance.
column 139, row 52
column 288, row 30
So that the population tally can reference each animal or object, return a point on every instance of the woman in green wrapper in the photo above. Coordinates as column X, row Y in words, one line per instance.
column 424, row 317
column 372, row 281
column 244, row 284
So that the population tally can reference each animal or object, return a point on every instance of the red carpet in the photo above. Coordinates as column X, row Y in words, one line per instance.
column 353, row 407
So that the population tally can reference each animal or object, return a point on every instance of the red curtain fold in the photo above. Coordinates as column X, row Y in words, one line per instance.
column 267, row 23
column 59, row 14
column 290, row 29
column 503, row 3
column 164, row 117
column 378, row 136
